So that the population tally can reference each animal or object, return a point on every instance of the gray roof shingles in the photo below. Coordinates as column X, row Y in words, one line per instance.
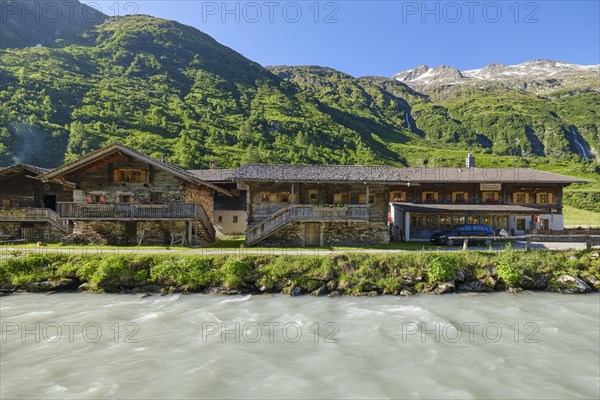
column 357, row 173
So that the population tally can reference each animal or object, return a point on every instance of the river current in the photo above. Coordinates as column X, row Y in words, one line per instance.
column 463, row 346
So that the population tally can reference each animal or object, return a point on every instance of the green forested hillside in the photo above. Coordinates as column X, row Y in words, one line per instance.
column 166, row 88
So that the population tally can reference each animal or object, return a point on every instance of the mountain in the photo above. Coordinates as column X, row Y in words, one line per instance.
column 166, row 88
column 32, row 23
column 538, row 76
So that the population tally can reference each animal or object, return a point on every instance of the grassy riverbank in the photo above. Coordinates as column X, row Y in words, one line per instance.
column 340, row 274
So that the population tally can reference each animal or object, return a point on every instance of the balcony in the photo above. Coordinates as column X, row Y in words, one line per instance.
column 126, row 211
column 33, row 215
column 307, row 213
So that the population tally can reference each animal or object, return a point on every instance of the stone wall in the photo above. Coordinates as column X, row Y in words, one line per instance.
column 331, row 234
column 32, row 231
column 129, row 233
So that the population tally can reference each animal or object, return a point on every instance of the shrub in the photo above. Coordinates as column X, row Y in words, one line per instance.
column 441, row 268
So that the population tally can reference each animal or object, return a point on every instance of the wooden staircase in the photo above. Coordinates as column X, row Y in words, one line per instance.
column 307, row 213
column 202, row 228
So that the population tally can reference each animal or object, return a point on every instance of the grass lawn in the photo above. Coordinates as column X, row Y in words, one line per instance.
column 575, row 217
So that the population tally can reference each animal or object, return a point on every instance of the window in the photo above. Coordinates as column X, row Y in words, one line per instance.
column 488, row 220
column 444, row 221
column 458, row 220
column 264, row 197
column 125, row 198
column 130, row 175
column 544, row 224
column 501, row 222
column 489, row 197
column 520, row 224
column 284, row 197
column 235, row 219
column 473, row 220
column 220, row 219
column 362, row 198
column 465, row 230
column 397, row 196
column 341, row 198
column 156, row 197
column 521, row 198
column 430, row 222
column 460, row 197
column 429, row 196
column 416, row 222
column 96, row 198
column 544, row 198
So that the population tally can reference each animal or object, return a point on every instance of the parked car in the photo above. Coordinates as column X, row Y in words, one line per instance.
column 484, row 231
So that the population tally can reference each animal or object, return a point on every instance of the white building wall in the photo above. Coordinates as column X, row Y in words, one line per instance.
column 556, row 222
column 224, row 225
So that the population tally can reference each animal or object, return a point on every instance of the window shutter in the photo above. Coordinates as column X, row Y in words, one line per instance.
column 466, row 196
column 435, row 196
column 423, row 196
column 453, row 197
column 537, row 198
column 514, row 198
column 144, row 175
column 495, row 196
column 550, row 198
column 272, row 197
column 116, row 175
column 526, row 198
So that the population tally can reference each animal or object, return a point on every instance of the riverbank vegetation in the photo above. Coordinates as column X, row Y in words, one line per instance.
column 336, row 274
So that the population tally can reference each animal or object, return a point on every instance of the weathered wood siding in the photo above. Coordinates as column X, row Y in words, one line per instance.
column 21, row 191
column 258, row 211
column 414, row 193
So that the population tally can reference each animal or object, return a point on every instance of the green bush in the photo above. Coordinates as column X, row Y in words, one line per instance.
column 441, row 268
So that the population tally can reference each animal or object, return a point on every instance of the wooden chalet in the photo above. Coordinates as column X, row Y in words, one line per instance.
column 315, row 205
column 322, row 205
column 128, row 198
column 28, row 205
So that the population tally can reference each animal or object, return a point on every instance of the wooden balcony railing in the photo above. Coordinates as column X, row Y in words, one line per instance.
column 119, row 211
column 33, row 215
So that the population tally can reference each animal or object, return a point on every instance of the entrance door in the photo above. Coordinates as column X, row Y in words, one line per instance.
column 521, row 226
column 131, row 232
column 49, row 202
column 312, row 233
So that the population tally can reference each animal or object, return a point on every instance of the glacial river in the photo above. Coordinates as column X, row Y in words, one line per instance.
column 468, row 346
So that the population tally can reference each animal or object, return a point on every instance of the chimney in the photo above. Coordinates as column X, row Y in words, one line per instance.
column 470, row 161
column 214, row 164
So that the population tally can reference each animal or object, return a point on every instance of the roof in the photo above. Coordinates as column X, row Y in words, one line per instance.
column 213, row 175
column 318, row 173
column 465, row 208
column 118, row 148
column 358, row 173
column 7, row 172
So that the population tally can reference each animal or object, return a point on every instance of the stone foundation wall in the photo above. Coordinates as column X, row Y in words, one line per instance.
column 331, row 234
column 33, row 231
column 159, row 232
column 129, row 233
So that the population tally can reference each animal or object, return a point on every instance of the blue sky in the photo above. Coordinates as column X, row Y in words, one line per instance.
column 384, row 37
